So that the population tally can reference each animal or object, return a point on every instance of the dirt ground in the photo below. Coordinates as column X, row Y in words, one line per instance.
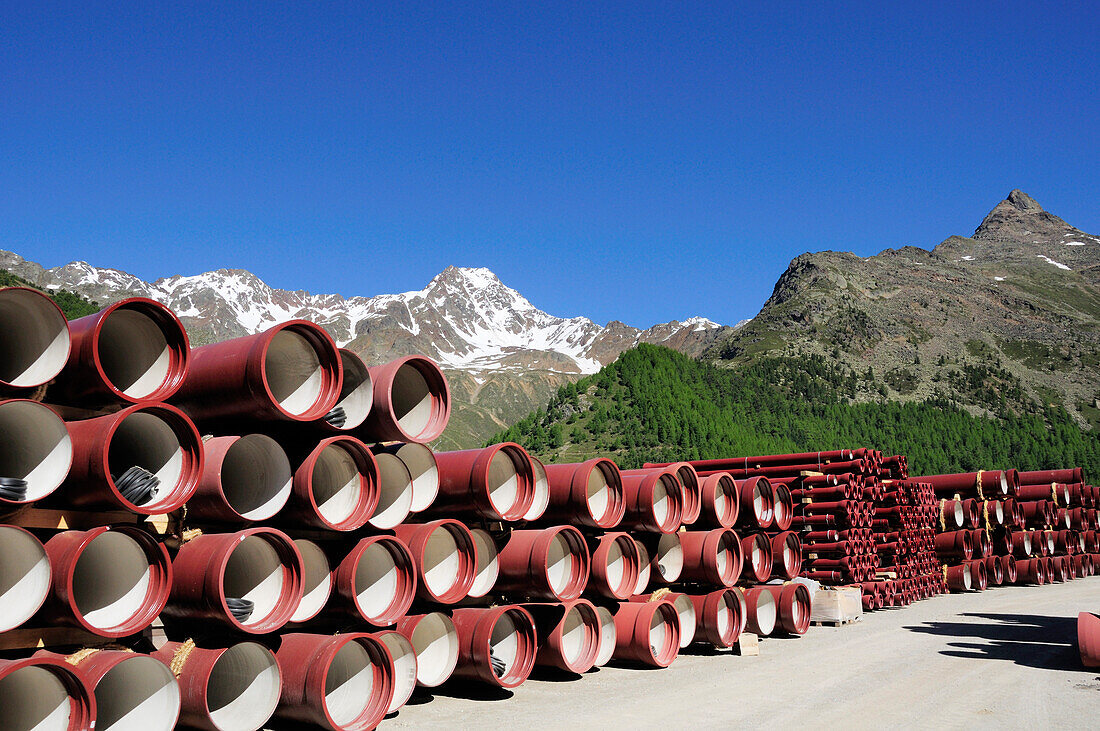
column 1006, row 657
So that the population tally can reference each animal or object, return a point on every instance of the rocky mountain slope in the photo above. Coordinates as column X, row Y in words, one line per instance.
column 503, row 355
column 1006, row 319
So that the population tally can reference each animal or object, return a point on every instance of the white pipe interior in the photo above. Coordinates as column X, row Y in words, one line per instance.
column 356, row 391
column 576, row 635
column 404, row 667
column 134, row 352
column 292, row 367
column 608, row 637
column 616, row 564
column 34, row 338
column 24, row 577
column 436, row 642
column 598, row 493
column 411, row 400
column 488, row 566
column 726, row 619
column 336, row 483
column 685, row 612
column 34, row 699
column 999, row 513
column 146, row 440
column 1004, row 483
column 758, row 501
column 959, row 516
column 663, row 500
column 725, row 555
column 689, row 481
column 968, row 577
column 316, row 580
column 395, row 492
column 255, row 572
column 797, row 611
column 35, row 447
column 660, row 633
column 670, row 557
column 349, row 682
column 138, row 694
column 376, row 580
column 765, row 612
column 788, row 555
column 442, row 561
column 244, row 688
column 256, row 477
column 1027, row 543
column 423, row 472
column 111, row 580
column 503, row 482
column 542, row 493
column 643, row 567
column 725, row 494
column 744, row 606
column 504, row 643
column 560, row 560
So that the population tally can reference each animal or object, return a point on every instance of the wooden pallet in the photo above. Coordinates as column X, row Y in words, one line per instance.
column 834, row 622
column 748, row 645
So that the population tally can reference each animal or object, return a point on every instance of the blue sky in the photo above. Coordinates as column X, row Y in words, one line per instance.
column 635, row 161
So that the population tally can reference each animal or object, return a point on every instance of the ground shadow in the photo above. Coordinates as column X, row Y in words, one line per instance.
column 551, row 674
column 472, row 691
column 1031, row 640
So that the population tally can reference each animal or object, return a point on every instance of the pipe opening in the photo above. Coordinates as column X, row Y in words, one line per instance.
column 243, row 688
column 34, row 338
column 670, row 557
column 34, row 699
column 541, row 490
column 765, row 612
column 664, row 499
column 576, row 633
column 24, row 576
column 404, row 667
column 726, row 622
column 139, row 693
column 111, row 580
column 255, row 572
column 316, row 580
column 442, row 561
column 616, row 565
column 256, row 478
column 959, row 515
column 145, row 439
column 411, row 399
column 968, row 577
column 336, row 483
column 349, row 683
column 663, row 640
column 598, row 493
column 356, row 391
column 562, row 562
column 36, row 447
column 488, row 567
column 643, row 567
column 725, row 500
column 606, row 647
column 758, row 502
column 685, row 614
column 395, row 494
column 293, row 371
column 504, row 646
column 504, row 480
column 725, row 559
column 424, row 473
column 436, row 642
column 378, row 580
column 134, row 351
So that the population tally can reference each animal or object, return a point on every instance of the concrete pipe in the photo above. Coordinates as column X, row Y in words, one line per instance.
column 445, row 559
column 666, row 562
column 412, row 401
column 396, row 492
column 756, row 550
column 647, row 633
column 588, row 493
column 1008, row 569
column 133, row 692
column 495, row 483
column 338, row 485
column 419, row 460
column 34, row 339
column 232, row 688
column 488, row 566
column 541, row 500
column 794, row 605
column 551, row 563
column 403, row 655
column 356, row 397
column 316, row 581
column 339, row 683
column 43, row 693
column 244, row 478
column 717, row 617
column 653, row 501
column 156, row 438
column 376, row 580
column 496, row 645
column 606, row 647
column 786, row 551
column 763, row 613
column 290, row 372
column 757, row 502
column 435, row 640
column 615, row 566
column 36, row 448
column 718, row 500
column 24, row 576
column 644, row 561
column 250, row 581
column 134, row 350
column 111, row 581
column 712, row 557
column 569, row 633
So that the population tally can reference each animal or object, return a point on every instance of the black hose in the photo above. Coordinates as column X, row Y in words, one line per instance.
column 137, row 485
column 498, row 665
column 241, row 609
column 12, row 488
column 337, row 417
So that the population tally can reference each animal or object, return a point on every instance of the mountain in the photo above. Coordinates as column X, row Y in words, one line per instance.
column 503, row 356
column 1005, row 320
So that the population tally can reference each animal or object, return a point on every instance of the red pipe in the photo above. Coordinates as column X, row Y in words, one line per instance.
column 586, row 493
column 713, row 557
column 435, row 640
column 958, row 544
column 762, row 611
column 1046, row 477
column 23, row 564
column 691, row 498
column 325, row 680
column 356, row 395
column 960, row 578
column 541, row 491
column 758, row 550
column 44, row 687
column 980, row 542
column 505, row 633
column 337, row 486
column 423, row 469
column 258, row 564
column 570, row 634
column 488, row 567
column 244, row 478
column 994, row 569
column 375, row 581
column 316, row 580
column 746, row 463
column 445, row 559
column 1036, row 492
column 1031, row 571
column 412, row 402
column 131, row 351
column 794, row 603
column 757, row 501
column 647, row 633
column 34, row 339
column 993, row 482
column 551, row 563
column 36, row 447
column 653, row 501
column 496, row 483
column 1088, row 639
column 157, row 437
column 718, row 617
column 290, row 372
column 786, row 550
column 719, row 501
column 615, row 566
column 783, row 512
column 96, row 573
column 396, row 491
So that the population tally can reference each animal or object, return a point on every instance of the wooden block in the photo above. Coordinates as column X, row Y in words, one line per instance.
column 29, row 638
column 748, row 645
column 83, row 519
column 810, row 473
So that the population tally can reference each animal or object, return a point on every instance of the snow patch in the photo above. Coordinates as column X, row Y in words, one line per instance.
column 998, row 279
column 1048, row 260
column 1074, row 243
column 968, row 258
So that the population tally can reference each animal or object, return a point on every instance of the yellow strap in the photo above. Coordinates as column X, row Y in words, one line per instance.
column 81, row 655
column 659, row 595
column 1054, row 493
column 179, row 659
column 190, row 535
column 943, row 521
column 978, row 484
column 945, row 573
